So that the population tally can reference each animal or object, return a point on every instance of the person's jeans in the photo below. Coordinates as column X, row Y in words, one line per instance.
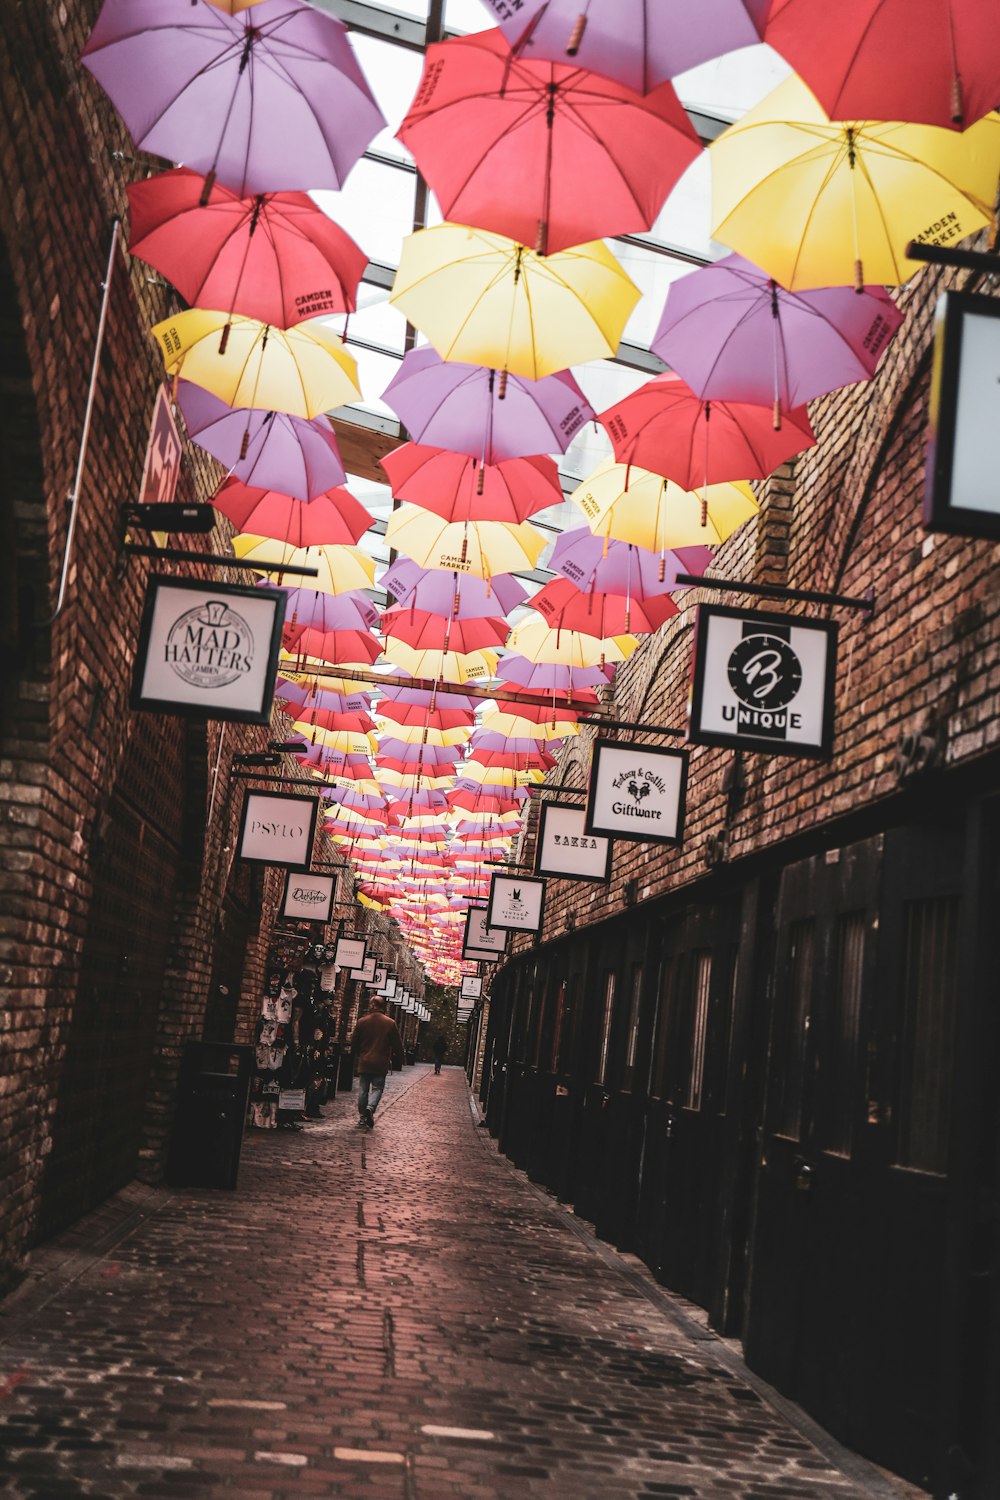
column 370, row 1089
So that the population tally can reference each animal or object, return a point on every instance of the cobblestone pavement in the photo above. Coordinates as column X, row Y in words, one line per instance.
column 397, row 1314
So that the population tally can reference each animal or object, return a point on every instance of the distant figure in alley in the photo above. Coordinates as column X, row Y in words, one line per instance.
column 376, row 1044
column 440, row 1049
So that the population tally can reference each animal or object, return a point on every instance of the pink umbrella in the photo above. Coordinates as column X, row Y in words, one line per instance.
column 459, row 488
column 427, row 632
column 335, row 517
column 269, row 450
column 598, row 613
column 338, row 646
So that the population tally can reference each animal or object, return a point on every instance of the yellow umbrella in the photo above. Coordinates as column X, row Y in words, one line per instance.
column 339, row 739
column 516, row 727
column 420, row 734
column 483, row 548
column 816, row 203
column 368, row 786
column 304, row 371
column 444, row 666
column 486, row 300
column 389, row 777
column 540, row 642
column 634, row 505
column 340, row 568
column 307, row 676
column 471, row 770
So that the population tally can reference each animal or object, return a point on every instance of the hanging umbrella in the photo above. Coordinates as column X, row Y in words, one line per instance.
column 444, row 666
column 341, row 647
column 341, row 615
column 733, row 334
column 936, row 61
column 553, row 677
column 341, row 569
column 428, row 632
column 479, row 547
column 539, row 642
column 276, row 257
column 301, row 694
column 430, row 726
column 303, row 371
column 304, row 606
column 429, row 755
column 325, row 718
column 816, row 203
column 562, row 605
column 335, row 739
column 641, row 43
column 267, row 449
column 472, row 772
column 459, row 407
column 488, row 743
column 665, row 427
column 269, row 99
column 443, row 593
column 458, row 488
column 544, row 152
column 634, row 505
column 436, row 698
column 486, row 300
column 315, row 676
column 622, row 568
column 330, row 519
column 530, row 760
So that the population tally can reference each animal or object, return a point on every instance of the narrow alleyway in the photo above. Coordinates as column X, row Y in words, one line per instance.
column 399, row 1314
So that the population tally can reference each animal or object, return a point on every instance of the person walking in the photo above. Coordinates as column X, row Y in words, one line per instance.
column 440, row 1049
column 375, row 1044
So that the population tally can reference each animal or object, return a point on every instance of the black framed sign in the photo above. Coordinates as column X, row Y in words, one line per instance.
column 763, row 681
column 481, row 941
column 309, row 897
column 277, row 829
column 351, row 953
column 516, row 903
column 566, row 849
column 377, row 980
column 366, row 972
column 962, row 483
column 636, row 792
column 209, row 649
column 390, row 988
column 472, row 986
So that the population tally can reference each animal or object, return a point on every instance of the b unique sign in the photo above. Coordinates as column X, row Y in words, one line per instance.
column 482, row 941
column 516, row 903
column 208, row 648
column 472, row 987
column 309, row 898
column 377, row 981
column 278, row 830
column 963, row 478
column 637, row 792
column 350, row 953
column 763, row 681
column 565, row 848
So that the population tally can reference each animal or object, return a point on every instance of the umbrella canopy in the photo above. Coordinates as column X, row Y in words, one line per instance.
column 428, row 632
column 544, row 152
column 440, row 592
column 733, row 334
column 424, row 734
column 325, row 718
column 561, row 604
column 275, row 257
column 945, row 57
column 539, row 642
column 434, row 698
column 419, row 717
column 620, row 567
column 488, row 743
column 634, row 505
column 300, row 694
column 817, row 203
column 303, row 371
column 342, row 647
column 446, row 666
column 479, row 547
column 458, row 488
column 530, row 760
column 459, row 406
column 486, row 300
column 335, row 739
column 665, row 427
column 341, row 569
column 553, row 677
column 429, row 755
column 641, row 43
column 263, row 101
column 267, row 449
column 351, row 611
column 333, row 518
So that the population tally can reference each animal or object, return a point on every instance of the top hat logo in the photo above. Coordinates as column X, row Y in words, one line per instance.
column 210, row 646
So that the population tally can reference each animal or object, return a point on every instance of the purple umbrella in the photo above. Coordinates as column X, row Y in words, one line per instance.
column 428, row 755
column 733, row 334
column 550, row 676
column 640, row 43
column 309, row 608
column 304, row 695
column 267, row 100
column 439, row 698
column 269, row 450
column 428, row 798
column 477, row 411
column 436, row 591
column 613, row 567
column 491, row 739
column 346, row 796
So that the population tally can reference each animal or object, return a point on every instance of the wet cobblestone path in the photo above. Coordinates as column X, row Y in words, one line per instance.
column 396, row 1314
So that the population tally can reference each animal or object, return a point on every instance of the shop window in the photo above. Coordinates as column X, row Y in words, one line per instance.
column 702, row 977
column 836, row 1122
column 930, row 1001
column 632, row 1035
column 661, row 1045
column 790, row 1053
column 607, row 1015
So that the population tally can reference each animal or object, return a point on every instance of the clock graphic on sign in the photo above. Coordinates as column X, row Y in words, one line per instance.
column 764, row 672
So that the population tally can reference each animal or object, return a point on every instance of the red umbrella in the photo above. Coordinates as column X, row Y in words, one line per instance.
column 458, row 488
column 276, row 256
column 516, row 760
column 546, row 153
column 592, row 612
column 432, row 718
column 338, row 645
column 427, row 632
column 335, row 517
column 326, row 718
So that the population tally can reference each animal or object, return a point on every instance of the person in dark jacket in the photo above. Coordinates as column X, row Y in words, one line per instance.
column 440, row 1048
column 375, row 1044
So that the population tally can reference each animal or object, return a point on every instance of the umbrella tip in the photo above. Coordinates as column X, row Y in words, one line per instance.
column 576, row 36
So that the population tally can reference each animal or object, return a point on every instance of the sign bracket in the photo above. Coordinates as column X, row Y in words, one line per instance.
column 775, row 591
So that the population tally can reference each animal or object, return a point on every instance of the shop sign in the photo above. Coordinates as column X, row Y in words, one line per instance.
column 637, row 792
column 350, row 953
column 566, row 849
column 472, row 987
column 763, row 681
column 389, row 988
column 962, row 488
column 516, row 903
column 277, row 829
column 366, row 973
column 481, row 941
column 377, row 981
column 209, row 649
column 309, row 897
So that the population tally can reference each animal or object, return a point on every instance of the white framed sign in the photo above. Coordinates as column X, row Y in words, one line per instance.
column 309, row 897
column 516, row 903
column 962, row 492
column 378, row 978
column 637, row 792
column 566, row 849
column 277, row 829
column 209, row 649
column 366, row 973
column 763, row 681
column 350, row 953
column 481, row 941
column 472, row 987
column 391, row 986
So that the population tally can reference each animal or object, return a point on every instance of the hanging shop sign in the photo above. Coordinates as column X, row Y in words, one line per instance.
column 350, row 953
column 565, row 848
column 209, row 649
column 962, row 492
column 309, row 897
column 480, row 941
column 377, row 981
column 278, row 829
column 472, row 987
column 763, row 681
column 516, row 903
column 366, row 973
column 636, row 792
column 389, row 989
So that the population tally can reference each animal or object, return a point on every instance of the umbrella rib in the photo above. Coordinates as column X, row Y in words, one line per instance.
column 828, row 176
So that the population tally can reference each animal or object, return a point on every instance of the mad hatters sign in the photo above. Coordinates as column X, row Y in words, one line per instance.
column 566, row 849
column 516, row 903
column 481, row 941
column 309, row 897
column 763, row 681
column 963, row 478
column 636, row 792
column 208, row 648
column 277, row 830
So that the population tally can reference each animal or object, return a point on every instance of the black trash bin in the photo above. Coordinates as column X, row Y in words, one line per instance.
column 211, row 1111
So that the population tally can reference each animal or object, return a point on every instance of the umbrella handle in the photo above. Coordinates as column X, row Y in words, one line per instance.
column 576, row 36
column 206, row 189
